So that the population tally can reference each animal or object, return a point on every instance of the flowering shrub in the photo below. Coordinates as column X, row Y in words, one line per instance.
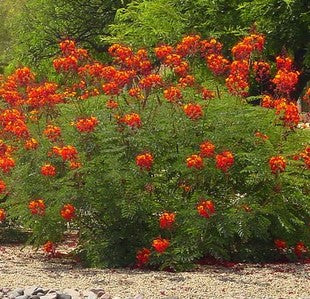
column 150, row 164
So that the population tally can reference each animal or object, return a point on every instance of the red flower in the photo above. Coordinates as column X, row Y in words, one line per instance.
column 207, row 149
column 68, row 212
column 280, row 244
column 68, row 153
column 2, row 215
column 2, row 187
column 52, row 132
column 49, row 247
column 224, row 160
column 143, row 257
column 193, row 111
column 207, row 94
column 172, row 94
column 194, row 161
column 277, row 164
column 111, row 104
column 37, row 207
column 145, row 161
column 132, row 120
column 300, row 249
column 261, row 136
column 86, row 124
column 48, row 170
column 74, row 164
column 206, row 208
column 31, row 144
column 6, row 163
column 166, row 220
column 160, row 244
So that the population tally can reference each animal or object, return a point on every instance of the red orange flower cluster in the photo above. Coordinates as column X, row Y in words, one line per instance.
column 277, row 164
column 217, row 64
column 68, row 153
column 2, row 215
column 207, row 149
column 145, row 161
column 31, row 144
column 166, row 220
column 132, row 120
column 52, row 132
column 86, row 125
column 68, row 212
column 261, row 70
column 71, row 57
column 193, row 111
column 237, row 81
column 243, row 50
column 160, row 244
column 48, row 170
column 224, row 160
column 143, row 257
column 37, row 207
column 2, row 187
column 205, row 208
column 49, row 247
column 13, row 122
column 280, row 244
column 195, row 161
column 173, row 94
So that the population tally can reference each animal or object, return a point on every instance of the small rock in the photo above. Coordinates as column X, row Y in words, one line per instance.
column 90, row 295
column 35, row 296
column 63, row 296
column 106, row 296
column 139, row 296
column 98, row 292
column 40, row 294
column 5, row 290
column 30, row 290
column 13, row 294
column 49, row 296
column 22, row 297
column 73, row 293
column 40, row 291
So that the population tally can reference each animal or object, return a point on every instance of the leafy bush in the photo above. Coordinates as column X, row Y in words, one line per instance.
column 157, row 170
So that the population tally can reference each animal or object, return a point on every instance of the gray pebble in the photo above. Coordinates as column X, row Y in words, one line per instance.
column 22, row 297
column 49, row 296
column 63, row 296
column 30, row 290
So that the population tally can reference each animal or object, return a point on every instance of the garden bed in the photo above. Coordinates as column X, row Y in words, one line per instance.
column 21, row 266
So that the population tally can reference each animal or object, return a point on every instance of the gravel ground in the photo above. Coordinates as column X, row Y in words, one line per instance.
column 20, row 267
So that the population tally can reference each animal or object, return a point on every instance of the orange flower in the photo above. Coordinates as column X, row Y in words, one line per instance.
column 217, row 64
column 261, row 136
column 224, row 160
column 160, row 244
column 132, row 120
column 285, row 81
column 193, row 111
column 162, row 52
column 111, row 104
column 48, row 170
column 277, row 164
column 187, row 81
column 207, row 94
column 280, row 244
column 86, row 124
column 74, row 165
column 52, row 132
column 211, row 46
column 68, row 212
column 151, row 81
column 300, row 249
column 6, row 164
column 143, row 256
column 2, row 186
column 166, row 220
column 207, row 149
column 206, row 208
column 145, row 161
column 194, row 161
column 135, row 92
column 68, row 153
column 2, row 215
column 172, row 94
column 284, row 63
column 49, row 247
column 31, row 144
column 305, row 155
column 37, row 207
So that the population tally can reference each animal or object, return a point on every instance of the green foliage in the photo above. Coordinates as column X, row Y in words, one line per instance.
column 147, row 23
